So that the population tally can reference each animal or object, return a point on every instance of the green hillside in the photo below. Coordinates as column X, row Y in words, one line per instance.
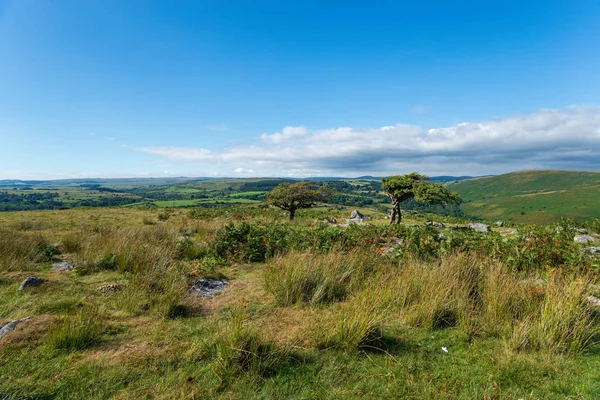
column 532, row 196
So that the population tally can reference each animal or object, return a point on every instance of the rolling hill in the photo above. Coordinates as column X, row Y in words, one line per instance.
column 532, row 196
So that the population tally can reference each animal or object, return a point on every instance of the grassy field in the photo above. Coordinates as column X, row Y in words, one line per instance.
column 532, row 196
column 312, row 310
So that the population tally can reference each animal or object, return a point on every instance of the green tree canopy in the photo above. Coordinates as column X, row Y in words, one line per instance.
column 418, row 187
column 293, row 196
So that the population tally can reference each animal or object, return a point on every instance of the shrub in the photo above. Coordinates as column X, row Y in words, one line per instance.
column 165, row 214
column 148, row 221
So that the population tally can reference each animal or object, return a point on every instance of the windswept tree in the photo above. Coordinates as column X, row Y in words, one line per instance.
column 293, row 196
column 418, row 187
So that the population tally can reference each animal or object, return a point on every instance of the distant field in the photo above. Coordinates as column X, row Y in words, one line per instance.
column 532, row 196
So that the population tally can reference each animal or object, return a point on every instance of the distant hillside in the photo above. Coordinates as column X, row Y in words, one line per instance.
column 532, row 196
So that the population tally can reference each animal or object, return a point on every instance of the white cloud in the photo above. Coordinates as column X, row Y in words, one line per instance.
column 568, row 138
column 289, row 132
column 243, row 171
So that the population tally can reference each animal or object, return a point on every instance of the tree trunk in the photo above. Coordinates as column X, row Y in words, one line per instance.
column 395, row 212
column 292, row 213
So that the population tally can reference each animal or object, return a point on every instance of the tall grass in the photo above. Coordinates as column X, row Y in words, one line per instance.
column 466, row 291
column 242, row 350
column 77, row 332
column 18, row 250
column 157, row 289
column 358, row 323
column 564, row 324
column 317, row 278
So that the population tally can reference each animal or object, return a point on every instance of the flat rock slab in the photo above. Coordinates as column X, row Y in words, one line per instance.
column 63, row 266
column 584, row 239
column 580, row 230
column 31, row 281
column 11, row 326
column 208, row 287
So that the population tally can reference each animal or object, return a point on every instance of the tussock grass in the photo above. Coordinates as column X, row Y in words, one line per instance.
column 357, row 324
column 71, row 243
column 316, row 278
column 73, row 333
column 565, row 322
column 242, row 350
column 158, row 289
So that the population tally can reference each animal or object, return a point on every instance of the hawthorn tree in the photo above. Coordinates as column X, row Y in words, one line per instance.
column 292, row 196
column 418, row 187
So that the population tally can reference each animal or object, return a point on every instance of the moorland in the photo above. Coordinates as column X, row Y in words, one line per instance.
column 311, row 308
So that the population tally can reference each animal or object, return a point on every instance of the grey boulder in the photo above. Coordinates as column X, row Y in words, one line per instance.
column 11, row 326
column 479, row 227
column 30, row 281
column 208, row 287
column 63, row 266
column 584, row 239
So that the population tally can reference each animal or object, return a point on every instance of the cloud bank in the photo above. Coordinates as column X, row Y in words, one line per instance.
column 545, row 139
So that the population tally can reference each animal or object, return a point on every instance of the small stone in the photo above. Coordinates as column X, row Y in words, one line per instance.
column 63, row 266
column 355, row 221
column 441, row 236
column 593, row 300
column 109, row 288
column 397, row 241
column 208, row 287
column 592, row 250
column 499, row 224
column 580, row 230
column 479, row 227
column 331, row 220
column 31, row 281
column 584, row 239
column 435, row 224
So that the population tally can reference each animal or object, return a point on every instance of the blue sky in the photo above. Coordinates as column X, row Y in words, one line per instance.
column 92, row 88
